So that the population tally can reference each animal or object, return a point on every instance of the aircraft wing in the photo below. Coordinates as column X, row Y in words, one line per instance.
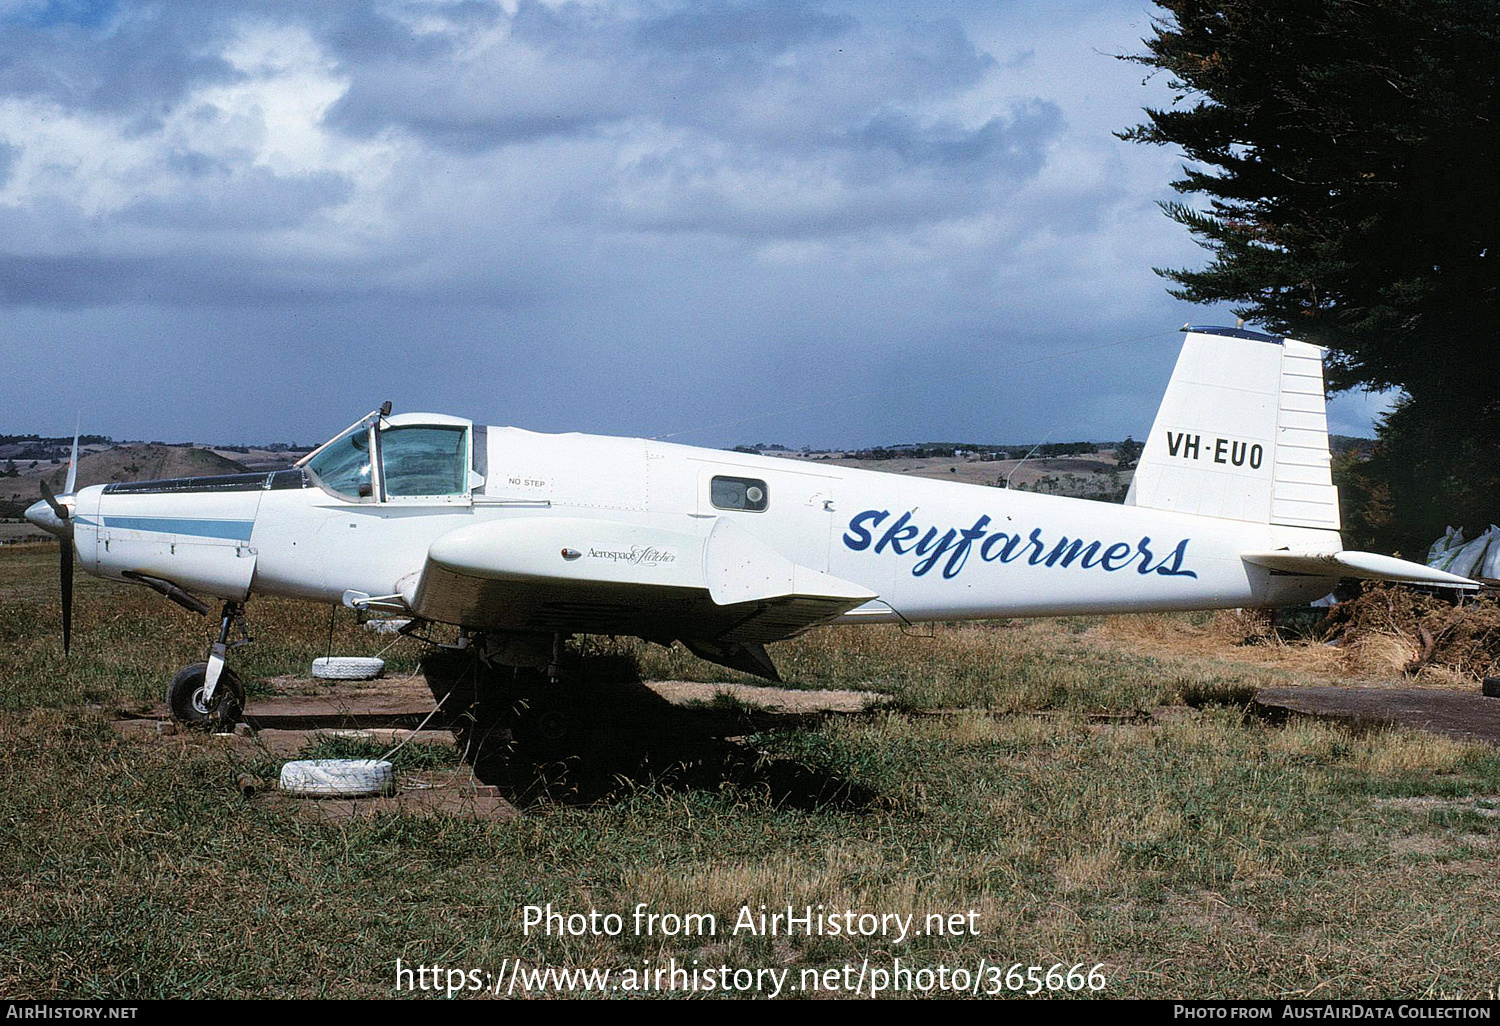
column 723, row 586
column 1361, row 565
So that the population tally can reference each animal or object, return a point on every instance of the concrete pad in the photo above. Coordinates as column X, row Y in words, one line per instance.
column 288, row 743
column 1469, row 717
column 308, row 712
column 775, row 699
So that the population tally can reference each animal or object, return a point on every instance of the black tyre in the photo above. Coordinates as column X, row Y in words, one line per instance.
column 505, row 720
column 185, row 697
column 547, row 726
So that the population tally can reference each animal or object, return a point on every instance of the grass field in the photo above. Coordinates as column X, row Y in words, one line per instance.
column 1201, row 853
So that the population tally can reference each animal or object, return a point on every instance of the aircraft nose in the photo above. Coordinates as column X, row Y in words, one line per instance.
column 43, row 516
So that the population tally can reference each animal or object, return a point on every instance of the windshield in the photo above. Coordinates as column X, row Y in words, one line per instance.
column 343, row 466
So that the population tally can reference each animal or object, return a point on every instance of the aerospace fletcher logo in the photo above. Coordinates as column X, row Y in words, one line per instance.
column 904, row 538
column 639, row 555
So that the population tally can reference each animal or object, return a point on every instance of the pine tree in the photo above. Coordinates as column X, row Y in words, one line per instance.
column 1348, row 154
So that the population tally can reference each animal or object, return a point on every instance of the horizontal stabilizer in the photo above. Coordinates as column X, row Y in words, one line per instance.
column 1362, row 565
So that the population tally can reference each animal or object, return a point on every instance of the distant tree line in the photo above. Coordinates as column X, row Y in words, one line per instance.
column 1095, row 487
column 1129, row 450
column 68, row 441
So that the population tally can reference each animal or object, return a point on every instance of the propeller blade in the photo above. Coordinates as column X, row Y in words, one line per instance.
column 57, row 507
column 73, row 461
column 67, row 592
column 64, row 534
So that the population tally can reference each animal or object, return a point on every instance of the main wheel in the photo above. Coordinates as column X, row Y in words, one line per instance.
column 505, row 720
column 185, row 697
column 547, row 726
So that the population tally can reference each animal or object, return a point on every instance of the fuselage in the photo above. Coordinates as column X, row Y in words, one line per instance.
column 931, row 550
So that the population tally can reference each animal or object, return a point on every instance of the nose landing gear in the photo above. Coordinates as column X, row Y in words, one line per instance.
column 209, row 694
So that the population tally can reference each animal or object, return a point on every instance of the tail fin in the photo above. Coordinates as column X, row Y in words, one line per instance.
column 1242, row 433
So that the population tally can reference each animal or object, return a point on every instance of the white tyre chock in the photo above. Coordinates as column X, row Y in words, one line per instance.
column 347, row 668
column 338, row 778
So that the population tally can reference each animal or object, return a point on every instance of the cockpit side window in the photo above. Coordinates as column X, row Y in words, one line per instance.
column 424, row 460
column 344, row 465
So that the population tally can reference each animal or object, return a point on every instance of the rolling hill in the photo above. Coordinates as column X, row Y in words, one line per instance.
column 121, row 463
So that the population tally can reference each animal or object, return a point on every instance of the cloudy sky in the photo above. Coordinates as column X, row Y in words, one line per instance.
column 812, row 223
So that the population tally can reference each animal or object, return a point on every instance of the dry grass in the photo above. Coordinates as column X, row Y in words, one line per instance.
column 1213, row 855
column 1381, row 751
column 1374, row 654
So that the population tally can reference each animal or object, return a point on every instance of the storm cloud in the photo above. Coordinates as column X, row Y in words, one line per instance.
column 635, row 217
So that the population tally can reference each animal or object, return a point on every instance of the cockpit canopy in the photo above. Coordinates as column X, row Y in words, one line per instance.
column 411, row 456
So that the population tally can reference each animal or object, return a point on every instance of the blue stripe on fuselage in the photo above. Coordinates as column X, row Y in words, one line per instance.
column 232, row 530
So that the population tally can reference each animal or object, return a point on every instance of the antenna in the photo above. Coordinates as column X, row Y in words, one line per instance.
column 1034, row 448
column 72, row 482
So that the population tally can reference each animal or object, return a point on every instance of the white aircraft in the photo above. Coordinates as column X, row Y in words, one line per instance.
column 524, row 540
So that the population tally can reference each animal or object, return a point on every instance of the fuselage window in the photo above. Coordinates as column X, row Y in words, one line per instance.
column 419, row 460
column 744, row 493
column 344, row 465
